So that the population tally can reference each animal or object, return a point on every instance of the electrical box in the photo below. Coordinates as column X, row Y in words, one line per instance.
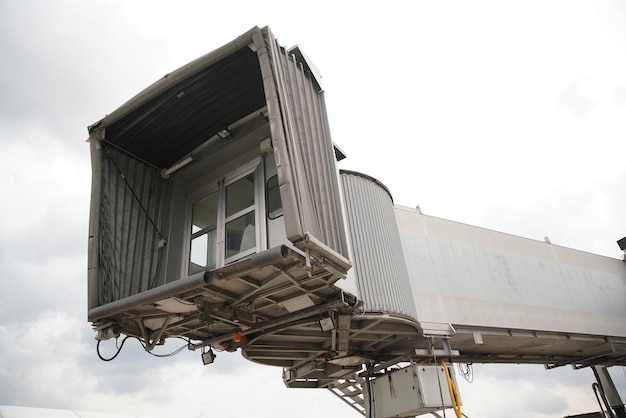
column 414, row 390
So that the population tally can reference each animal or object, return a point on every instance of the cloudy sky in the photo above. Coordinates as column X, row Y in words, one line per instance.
column 505, row 115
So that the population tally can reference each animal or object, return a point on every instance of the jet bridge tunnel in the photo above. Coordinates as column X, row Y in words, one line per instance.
column 218, row 214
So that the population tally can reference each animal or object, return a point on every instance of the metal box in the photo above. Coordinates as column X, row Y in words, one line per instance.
column 414, row 390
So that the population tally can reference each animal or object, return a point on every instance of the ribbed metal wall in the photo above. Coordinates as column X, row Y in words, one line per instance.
column 131, row 202
column 377, row 255
column 303, row 147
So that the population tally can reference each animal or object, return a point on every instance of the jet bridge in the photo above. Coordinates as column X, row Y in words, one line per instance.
column 219, row 215
column 486, row 296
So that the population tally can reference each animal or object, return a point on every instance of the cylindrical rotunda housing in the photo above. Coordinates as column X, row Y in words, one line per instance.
column 376, row 249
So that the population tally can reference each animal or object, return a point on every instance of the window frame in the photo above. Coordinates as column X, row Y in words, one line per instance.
column 238, row 214
column 204, row 231
column 276, row 213
column 219, row 186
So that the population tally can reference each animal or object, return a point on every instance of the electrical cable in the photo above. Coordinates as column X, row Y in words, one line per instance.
column 465, row 370
column 454, row 395
column 173, row 353
column 119, row 348
column 116, row 354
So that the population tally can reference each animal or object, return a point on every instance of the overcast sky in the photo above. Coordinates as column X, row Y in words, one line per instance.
column 505, row 115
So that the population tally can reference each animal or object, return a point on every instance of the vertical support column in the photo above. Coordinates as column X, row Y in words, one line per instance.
column 606, row 383
column 93, row 291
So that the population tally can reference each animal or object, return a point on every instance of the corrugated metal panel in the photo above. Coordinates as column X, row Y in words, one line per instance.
column 476, row 278
column 303, row 148
column 379, row 266
column 131, row 218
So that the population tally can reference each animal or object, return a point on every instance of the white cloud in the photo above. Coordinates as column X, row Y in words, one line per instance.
column 529, row 391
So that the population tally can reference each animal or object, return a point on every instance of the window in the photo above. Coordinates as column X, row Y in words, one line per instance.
column 274, row 204
column 203, row 233
column 240, row 225
column 223, row 223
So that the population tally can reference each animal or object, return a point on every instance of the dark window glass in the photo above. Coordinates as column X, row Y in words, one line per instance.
column 274, row 204
column 240, row 234
column 240, row 195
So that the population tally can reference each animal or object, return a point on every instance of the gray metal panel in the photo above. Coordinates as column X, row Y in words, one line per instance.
column 93, row 247
column 131, row 221
column 414, row 390
column 476, row 278
column 381, row 274
column 307, row 170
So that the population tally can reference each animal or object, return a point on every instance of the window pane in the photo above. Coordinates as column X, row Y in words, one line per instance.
column 240, row 195
column 198, row 255
column 240, row 234
column 274, row 205
column 204, row 213
column 202, row 252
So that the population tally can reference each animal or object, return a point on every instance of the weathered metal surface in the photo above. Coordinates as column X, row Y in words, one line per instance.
column 133, row 218
column 381, row 273
column 191, row 129
column 426, row 287
column 251, row 296
column 510, row 298
column 305, row 158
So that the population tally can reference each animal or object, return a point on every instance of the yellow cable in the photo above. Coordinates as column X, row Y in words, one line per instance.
column 454, row 395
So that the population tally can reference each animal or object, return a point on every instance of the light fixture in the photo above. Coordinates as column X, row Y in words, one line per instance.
column 327, row 324
column 224, row 134
column 208, row 357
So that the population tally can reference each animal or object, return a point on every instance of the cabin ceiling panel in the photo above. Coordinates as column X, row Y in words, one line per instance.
column 173, row 123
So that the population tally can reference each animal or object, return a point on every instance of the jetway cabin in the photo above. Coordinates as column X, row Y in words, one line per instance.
column 218, row 214
column 222, row 167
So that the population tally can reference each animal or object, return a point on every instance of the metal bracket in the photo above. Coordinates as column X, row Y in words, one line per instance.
column 151, row 343
column 431, row 351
